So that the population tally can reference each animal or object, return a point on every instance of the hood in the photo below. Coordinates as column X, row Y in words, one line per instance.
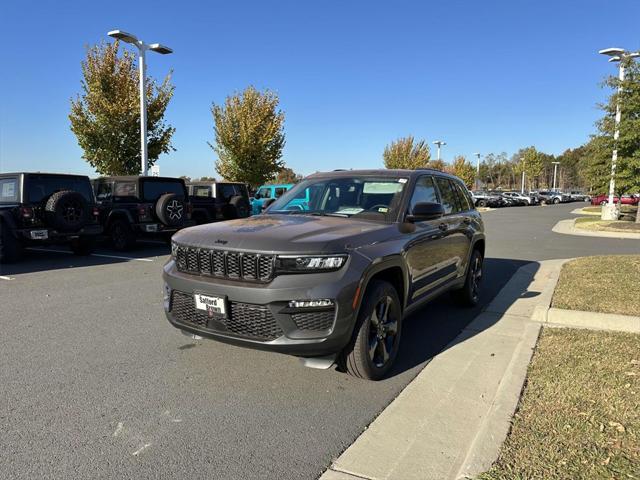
column 283, row 233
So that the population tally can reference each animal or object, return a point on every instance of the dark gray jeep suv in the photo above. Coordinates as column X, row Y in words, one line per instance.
column 332, row 282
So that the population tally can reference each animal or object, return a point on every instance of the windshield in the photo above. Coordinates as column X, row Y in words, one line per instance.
column 370, row 197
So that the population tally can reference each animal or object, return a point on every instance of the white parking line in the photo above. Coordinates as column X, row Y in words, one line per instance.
column 118, row 257
column 3, row 277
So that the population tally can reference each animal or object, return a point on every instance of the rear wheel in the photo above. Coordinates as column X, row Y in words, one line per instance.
column 603, row 203
column 556, row 201
column 469, row 294
column 10, row 248
column 482, row 203
column 376, row 340
column 122, row 236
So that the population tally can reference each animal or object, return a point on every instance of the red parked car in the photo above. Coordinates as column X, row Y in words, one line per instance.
column 626, row 199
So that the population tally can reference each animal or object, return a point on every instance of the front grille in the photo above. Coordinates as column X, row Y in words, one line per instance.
column 225, row 264
column 314, row 320
column 245, row 319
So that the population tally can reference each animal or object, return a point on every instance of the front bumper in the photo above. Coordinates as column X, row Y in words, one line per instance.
column 258, row 313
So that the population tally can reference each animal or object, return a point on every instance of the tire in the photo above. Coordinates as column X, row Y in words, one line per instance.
column 469, row 294
column 82, row 246
column 66, row 211
column 241, row 206
column 556, row 201
column 171, row 210
column 122, row 237
column 482, row 203
column 603, row 203
column 372, row 352
column 10, row 248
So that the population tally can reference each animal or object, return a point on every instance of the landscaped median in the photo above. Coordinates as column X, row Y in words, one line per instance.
column 593, row 223
column 579, row 415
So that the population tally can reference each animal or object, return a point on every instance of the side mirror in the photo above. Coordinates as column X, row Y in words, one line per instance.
column 425, row 211
column 256, row 196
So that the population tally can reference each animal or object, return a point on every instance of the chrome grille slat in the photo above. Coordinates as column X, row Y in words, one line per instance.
column 225, row 264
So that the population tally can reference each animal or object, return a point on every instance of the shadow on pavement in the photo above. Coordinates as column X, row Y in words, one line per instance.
column 58, row 257
column 429, row 331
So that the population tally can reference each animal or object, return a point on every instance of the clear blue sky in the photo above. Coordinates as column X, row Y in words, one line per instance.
column 485, row 76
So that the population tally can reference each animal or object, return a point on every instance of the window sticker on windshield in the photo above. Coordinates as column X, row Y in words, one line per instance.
column 381, row 187
column 350, row 211
column 383, row 209
column 402, row 180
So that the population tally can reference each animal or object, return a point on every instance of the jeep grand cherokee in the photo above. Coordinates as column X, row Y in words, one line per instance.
column 330, row 283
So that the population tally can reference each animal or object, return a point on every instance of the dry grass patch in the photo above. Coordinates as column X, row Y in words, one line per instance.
column 595, row 224
column 579, row 415
column 606, row 284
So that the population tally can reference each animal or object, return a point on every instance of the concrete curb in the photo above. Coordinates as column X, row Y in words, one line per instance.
column 451, row 420
column 580, row 211
column 567, row 227
column 592, row 320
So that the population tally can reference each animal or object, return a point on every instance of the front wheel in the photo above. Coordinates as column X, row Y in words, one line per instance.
column 603, row 203
column 373, row 350
column 469, row 294
column 556, row 201
column 122, row 236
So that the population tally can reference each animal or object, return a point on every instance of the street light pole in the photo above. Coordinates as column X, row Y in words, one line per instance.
column 609, row 211
column 142, row 49
column 555, row 173
column 477, row 154
column 439, row 143
column 522, row 185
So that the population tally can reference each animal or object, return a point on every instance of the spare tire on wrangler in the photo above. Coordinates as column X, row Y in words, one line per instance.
column 171, row 210
column 66, row 211
column 241, row 206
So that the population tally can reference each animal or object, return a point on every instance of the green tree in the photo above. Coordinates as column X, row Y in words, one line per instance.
column 406, row 153
column 249, row 136
column 439, row 165
column 533, row 166
column 463, row 169
column 287, row 175
column 105, row 117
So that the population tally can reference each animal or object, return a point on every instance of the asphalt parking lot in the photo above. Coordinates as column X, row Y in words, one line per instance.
column 97, row 384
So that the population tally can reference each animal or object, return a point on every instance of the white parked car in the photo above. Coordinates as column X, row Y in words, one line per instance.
column 519, row 197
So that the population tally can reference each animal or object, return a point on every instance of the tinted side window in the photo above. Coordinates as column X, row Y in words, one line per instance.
column 424, row 191
column 125, row 190
column 8, row 190
column 265, row 193
column 104, row 190
column 463, row 196
column 449, row 200
column 200, row 191
column 227, row 191
column 280, row 191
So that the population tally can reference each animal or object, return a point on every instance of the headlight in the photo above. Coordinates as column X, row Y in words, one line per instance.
column 309, row 263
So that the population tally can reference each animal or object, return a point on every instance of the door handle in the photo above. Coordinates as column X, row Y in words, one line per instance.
column 443, row 226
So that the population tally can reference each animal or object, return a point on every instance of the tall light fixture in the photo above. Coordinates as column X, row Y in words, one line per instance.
column 142, row 48
column 439, row 143
column 477, row 154
column 523, row 165
column 555, row 173
column 609, row 211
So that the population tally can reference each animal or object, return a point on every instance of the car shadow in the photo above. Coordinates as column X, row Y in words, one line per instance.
column 60, row 257
column 434, row 328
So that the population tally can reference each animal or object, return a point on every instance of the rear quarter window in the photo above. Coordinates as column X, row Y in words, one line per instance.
column 8, row 189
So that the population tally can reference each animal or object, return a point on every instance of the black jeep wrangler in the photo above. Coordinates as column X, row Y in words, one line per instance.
column 214, row 201
column 134, row 206
column 38, row 208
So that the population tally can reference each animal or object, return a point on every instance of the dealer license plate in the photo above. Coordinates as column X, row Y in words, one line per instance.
column 39, row 234
column 210, row 304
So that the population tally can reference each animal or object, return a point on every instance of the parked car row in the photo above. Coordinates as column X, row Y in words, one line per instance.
column 46, row 208
column 499, row 198
column 624, row 199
